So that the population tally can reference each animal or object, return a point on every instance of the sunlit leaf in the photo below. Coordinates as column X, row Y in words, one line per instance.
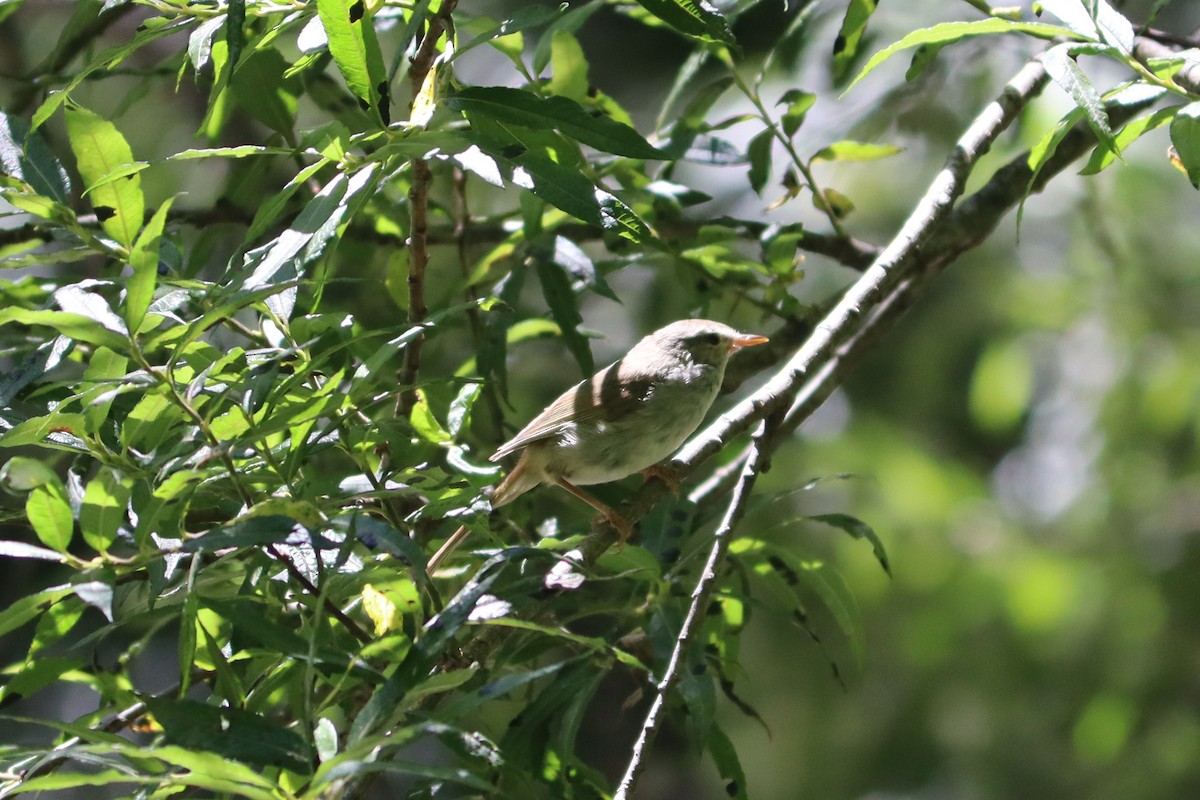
column 951, row 32
column 99, row 150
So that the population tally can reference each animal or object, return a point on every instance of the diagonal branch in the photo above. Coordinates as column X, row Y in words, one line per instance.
column 937, row 232
column 905, row 257
column 695, row 617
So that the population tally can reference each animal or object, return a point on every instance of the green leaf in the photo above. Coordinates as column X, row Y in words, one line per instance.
column 100, row 149
column 1102, row 157
column 564, row 308
column 24, row 474
column 695, row 18
column 103, row 368
column 838, row 598
column 231, row 732
column 951, row 32
column 519, row 107
column 854, row 25
column 103, row 510
column 26, row 608
column 728, row 764
column 150, row 422
column 759, row 151
column 24, row 155
column 1062, row 69
column 569, row 20
column 143, row 259
column 798, row 103
column 247, row 533
column 856, row 151
column 38, row 429
column 355, row 50
column 261, row 91
column 859, row 530
column 425, row 423
column 568, row 67
column 49, row 513
column 1185, row 136
column 279, row 262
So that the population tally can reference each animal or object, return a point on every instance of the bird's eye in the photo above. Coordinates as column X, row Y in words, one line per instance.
column 711, row 339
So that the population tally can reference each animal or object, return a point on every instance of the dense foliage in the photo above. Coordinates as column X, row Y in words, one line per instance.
column 279, row 276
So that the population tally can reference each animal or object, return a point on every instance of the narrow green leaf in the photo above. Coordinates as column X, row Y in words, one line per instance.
column 143, row 259
column 1185, row 136
column 1064, row 71
column 38, row 429
column 519, row 107
column 248, row 533
column 103, row 510
column 1102, row 156
column 759, row 152
column 695, row 18
column 838, row 598
column 564, row 308
column 231, row 732
column 99, row 150
column 355, row 50
column 26, row 608
column 728, row 764
column 849, row 38
column 951, row 32
column 235, row 30
column 859, row 530
column 150, row 422
column 49, row 513
column 856, row 151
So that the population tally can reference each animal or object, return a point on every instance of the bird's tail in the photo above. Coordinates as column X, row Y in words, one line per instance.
column 515, row 484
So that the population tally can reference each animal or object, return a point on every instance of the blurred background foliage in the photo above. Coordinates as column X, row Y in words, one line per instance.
column 1024, row 441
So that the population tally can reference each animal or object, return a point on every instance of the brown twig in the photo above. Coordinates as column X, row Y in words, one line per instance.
column 418, row 199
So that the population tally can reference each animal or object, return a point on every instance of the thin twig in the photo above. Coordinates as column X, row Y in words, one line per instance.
column 694, row 619
column 418, row 201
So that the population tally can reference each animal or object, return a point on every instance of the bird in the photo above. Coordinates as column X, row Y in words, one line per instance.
column 626, row 418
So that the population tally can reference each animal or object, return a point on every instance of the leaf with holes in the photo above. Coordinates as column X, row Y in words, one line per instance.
column 100, row 149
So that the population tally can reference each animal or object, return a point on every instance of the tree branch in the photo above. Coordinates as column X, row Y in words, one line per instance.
column 904, row 257
column 694, row 619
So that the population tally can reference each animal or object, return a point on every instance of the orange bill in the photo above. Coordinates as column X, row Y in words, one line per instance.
column 746, row 340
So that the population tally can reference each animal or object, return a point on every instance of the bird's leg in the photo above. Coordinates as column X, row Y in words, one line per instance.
column 624, row 529
column 665, row 474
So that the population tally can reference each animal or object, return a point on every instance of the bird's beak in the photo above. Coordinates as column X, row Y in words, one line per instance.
column 746, row 340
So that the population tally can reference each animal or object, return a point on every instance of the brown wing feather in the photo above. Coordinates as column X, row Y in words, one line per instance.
column 608, row 395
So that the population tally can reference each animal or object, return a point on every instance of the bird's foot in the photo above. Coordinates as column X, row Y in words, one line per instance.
column 667, row 475
column 624, row 529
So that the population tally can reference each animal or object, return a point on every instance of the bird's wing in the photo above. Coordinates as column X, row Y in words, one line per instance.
column 606, row 396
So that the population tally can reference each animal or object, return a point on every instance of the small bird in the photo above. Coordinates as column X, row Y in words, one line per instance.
column 624, row 419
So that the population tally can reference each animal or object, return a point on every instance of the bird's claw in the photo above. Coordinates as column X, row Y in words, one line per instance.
column 667, row 475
